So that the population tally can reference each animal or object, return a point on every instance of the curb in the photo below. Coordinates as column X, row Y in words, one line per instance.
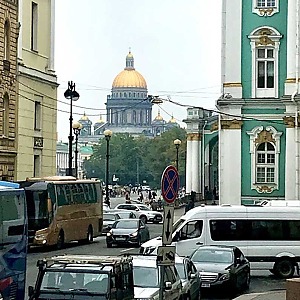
column 274, row 295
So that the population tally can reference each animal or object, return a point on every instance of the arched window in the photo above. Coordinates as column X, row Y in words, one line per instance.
column 265, row 62
column 265, row 163
column 5, row 119
column 6, row 40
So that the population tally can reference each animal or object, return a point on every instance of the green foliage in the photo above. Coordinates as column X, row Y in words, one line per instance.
column 135, row 160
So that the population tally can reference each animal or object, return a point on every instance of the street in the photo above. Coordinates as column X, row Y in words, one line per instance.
column 260, row 281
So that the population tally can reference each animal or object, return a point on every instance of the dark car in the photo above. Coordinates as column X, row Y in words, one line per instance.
column 127, row 231
column 222, row 266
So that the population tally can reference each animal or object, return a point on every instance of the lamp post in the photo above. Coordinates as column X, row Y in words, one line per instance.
column 76, row 129
column 177, row 143
column 107, row 134
column 71, row 95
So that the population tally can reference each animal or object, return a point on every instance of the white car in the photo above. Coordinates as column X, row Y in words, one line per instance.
column 144, row 212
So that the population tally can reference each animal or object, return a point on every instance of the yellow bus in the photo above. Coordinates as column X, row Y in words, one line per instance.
column 62, row 209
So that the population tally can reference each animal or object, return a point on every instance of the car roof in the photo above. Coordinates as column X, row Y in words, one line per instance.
column 144, row 261
column 217, row 247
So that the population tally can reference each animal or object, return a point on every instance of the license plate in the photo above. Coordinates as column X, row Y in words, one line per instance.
column 120, row 239
column 205, row 285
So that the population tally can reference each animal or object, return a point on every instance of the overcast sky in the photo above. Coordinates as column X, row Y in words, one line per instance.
column 176, row 46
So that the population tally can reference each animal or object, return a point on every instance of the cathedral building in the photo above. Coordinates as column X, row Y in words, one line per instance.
column 128, row 109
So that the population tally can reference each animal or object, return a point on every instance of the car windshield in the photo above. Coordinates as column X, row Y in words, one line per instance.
column 212, row 255
column 143, row 207
column 126, row 224
column 109, row 217
column 177, row 224
column 145, row 277
column 73, row 281
column 181, row 270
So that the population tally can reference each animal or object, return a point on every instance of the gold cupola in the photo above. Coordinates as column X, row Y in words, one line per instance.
column 129, row 77
column 158, row 117
column 84, row 117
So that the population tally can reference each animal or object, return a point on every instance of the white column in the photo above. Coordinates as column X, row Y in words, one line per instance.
column 20, row 38
column 231, row 47
column 196, row 166
column 52, row 36
column 206, row 167
column 189, row 159
column 230, row 166
column 290, row 166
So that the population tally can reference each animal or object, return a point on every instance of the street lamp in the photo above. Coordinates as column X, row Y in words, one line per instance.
column 76, row 129
column 107, row 134
column 177, row 143
column 72, row 95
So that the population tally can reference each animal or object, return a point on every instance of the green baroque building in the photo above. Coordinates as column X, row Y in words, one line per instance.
column 250, row 151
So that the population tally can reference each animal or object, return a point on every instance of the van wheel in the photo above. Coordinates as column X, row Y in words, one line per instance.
column 60, row 240
column 284, row 268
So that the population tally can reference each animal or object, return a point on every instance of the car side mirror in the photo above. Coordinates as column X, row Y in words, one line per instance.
column 193, row 275
column 142, row 227
column 30, row 291
column 168, row 285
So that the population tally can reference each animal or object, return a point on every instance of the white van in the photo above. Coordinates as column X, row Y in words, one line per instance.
column 269, row 236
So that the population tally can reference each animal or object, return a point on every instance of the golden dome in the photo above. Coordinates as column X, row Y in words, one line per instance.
column 159, row 117
column 84, row 117
column 100, row 121
column 129, row 77
column 172, row 120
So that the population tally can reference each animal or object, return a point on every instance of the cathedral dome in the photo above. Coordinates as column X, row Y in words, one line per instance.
column 129, row 77
column 158, row 117
column 84, row 117
column 172, row 120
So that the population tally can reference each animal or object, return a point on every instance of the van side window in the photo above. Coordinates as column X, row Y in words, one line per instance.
column 191, row 230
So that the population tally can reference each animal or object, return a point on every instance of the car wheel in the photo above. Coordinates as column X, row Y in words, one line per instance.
column 60, row 240
column 138, row 244
column 143, row 219
column 284, row 268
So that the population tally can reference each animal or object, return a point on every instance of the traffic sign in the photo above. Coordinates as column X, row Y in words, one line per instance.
column 170, row 184
column 168, row 224
column 166, row 256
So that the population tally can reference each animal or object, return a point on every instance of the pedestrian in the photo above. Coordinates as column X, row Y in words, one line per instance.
column 127, row 197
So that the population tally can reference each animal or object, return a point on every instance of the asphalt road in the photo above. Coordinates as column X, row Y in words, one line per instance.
column 260, row 282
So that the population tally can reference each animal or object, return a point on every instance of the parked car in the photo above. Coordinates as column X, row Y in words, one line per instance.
column 144, row 212
column 105, row 207
column 127, row 231
column 222, row 266
column 190, row 278
column 109, row 219
column 146, row 278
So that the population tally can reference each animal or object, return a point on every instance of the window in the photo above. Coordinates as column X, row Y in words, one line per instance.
column 265, row 163
column 6, row 40
column 37, row 115
column 34, row 26
column 265, row 60
column 36, row 166
column 5, row 124
column 266, row 3
column 191, row 230
column 264, row 151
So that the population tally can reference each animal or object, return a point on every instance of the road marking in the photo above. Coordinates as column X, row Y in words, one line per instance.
column 125, row 250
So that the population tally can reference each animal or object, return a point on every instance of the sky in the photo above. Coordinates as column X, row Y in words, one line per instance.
column 176, row 46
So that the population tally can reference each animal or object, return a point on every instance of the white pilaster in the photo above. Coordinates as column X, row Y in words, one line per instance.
column 230, row 166
column 189, row 159
column 231, row 47
column 52, row 37
column 20, row 38
column 290, row 166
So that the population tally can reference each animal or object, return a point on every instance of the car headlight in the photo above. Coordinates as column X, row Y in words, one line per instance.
column 134, row 234
column 41, row 236
column 109, row 233
column 224, row 277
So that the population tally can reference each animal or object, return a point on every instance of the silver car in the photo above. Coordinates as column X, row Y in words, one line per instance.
column 146, row 277
column 109, row 219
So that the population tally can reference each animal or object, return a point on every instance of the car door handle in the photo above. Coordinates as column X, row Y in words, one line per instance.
column 199, row 243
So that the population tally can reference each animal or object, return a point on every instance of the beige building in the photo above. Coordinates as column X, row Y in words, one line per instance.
column 37, row 90
column 8, row 99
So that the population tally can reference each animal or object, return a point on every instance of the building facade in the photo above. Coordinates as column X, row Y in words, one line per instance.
column 9, row 30
column 257, row 131
column 37, row 90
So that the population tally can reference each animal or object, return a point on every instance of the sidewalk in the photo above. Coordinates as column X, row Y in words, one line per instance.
column 272, row 295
